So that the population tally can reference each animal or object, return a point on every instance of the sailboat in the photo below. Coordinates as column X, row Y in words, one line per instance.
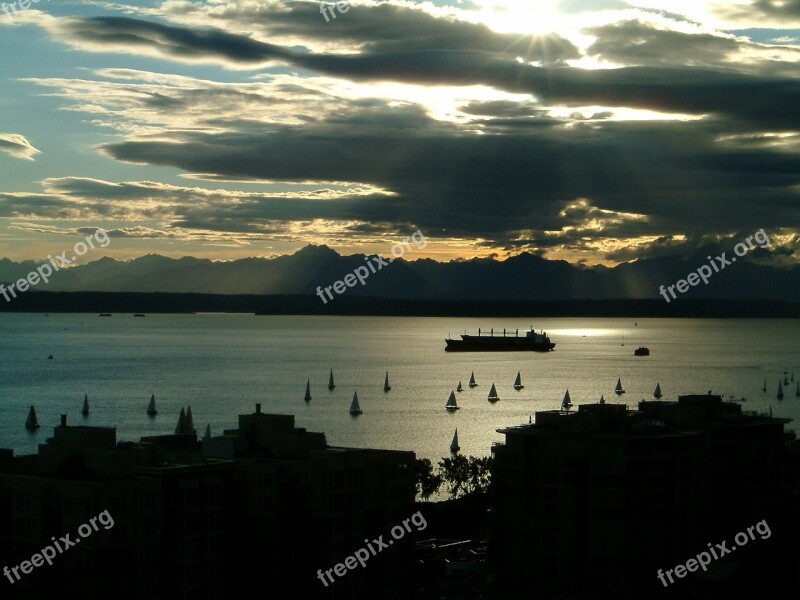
column 797, row 391
column 179, row 428
column 151, row 408
column 32, row 423
column 355, row 409
column 85, row 411
column 780, row 390
column 567, row 403
column 765, row 385
column 493, row 397
column 619, row 391
column 454, row 447
column 331, row 385
column 657, row 393
column 189, row 421
column 785, row 379
column 386, row 386
column 207, row 435
column 460, row 388
column 518, row 382
column 472, row 380
column 452, row 404
column 602, row 399
column 307, row 397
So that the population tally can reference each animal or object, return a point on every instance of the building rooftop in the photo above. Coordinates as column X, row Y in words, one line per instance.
column 691, row 413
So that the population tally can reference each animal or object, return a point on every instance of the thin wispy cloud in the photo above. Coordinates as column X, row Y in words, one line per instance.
column 18, row 146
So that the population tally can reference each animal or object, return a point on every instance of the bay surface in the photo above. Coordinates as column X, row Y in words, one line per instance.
column 223, row 364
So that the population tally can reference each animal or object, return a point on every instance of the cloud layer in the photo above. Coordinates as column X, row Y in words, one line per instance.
column 627, row 134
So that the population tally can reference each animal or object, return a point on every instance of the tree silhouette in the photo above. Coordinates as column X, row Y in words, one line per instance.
column 428, row 482
column 466, row 476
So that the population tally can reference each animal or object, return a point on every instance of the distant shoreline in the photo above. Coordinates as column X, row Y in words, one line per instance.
column 169, row 303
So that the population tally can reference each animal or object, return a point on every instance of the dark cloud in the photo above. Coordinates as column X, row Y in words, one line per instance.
column 391, row 28
column 637, row 43
column 770, row 101
column 676, row 174
column 506, row 174
column 778, row 8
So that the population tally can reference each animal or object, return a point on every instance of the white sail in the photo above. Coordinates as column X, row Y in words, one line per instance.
column 452, row 403
column 567, row 403
column 518, row 382
column 85, row 410
column 331, row 385
column 151, row 408
column 454, row 447
column 32, row 422
column 619, row 389
column 472, row 380
column 355, row 409
column 657, row 393
column 460, row 388
column 307, row 397
column 493, row 397
column 386, row 386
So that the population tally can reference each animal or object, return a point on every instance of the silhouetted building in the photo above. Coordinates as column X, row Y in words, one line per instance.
column 307, row 506
column 159, row 507
column 260, row 509
column 596, row 501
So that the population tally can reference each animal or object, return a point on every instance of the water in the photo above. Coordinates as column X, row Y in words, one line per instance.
column 223, row 364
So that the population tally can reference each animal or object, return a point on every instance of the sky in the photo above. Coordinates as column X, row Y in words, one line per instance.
column 591, row 131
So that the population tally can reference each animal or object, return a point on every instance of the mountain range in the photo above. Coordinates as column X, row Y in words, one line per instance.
column 525, row 277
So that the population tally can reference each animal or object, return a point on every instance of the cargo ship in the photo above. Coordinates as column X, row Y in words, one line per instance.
column 532, row 341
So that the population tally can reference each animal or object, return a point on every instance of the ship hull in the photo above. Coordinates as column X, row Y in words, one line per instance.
column 497, row 344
